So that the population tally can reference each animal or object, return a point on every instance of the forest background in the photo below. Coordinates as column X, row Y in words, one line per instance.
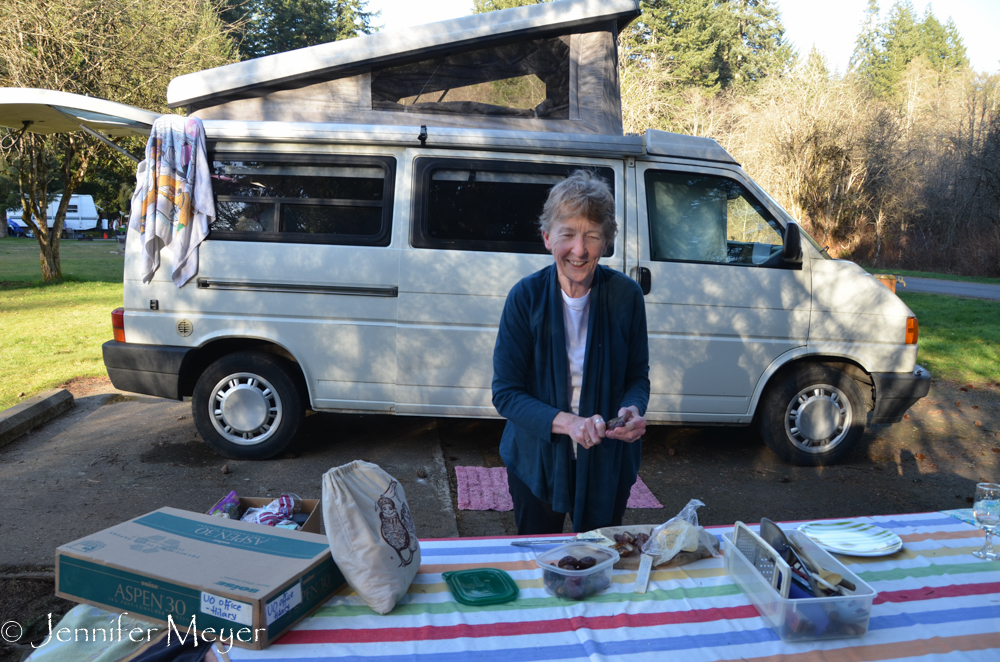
column 894, row 163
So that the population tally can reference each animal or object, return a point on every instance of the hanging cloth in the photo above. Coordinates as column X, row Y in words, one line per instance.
column 172, row 204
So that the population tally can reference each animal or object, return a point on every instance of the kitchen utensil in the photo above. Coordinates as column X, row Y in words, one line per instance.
column 823, row 572
column 555, row 541
column 775, row 537
column 771, row 566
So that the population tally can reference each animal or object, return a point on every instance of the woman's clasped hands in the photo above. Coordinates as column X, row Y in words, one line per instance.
column 589, row 431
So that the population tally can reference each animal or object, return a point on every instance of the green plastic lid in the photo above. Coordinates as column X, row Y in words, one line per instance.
column 481, row 586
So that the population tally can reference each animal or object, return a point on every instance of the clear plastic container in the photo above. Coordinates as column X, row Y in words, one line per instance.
column 804, row 619
column 576, row 584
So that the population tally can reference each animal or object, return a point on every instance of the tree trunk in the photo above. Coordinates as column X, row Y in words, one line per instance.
column 49, row 259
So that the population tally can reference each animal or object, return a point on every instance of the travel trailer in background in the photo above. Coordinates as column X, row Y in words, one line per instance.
column 376, row 198
column 81, row 214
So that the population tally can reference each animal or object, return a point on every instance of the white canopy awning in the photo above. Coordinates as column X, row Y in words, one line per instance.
column 48, row 111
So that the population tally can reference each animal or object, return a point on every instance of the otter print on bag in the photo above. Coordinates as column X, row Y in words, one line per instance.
column 371, row 532
column 397, row 524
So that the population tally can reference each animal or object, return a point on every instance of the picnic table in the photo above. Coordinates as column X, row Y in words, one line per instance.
column 936, row 602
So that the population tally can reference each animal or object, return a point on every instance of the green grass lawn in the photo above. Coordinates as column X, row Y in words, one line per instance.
column 959, row 338
column 52, row 333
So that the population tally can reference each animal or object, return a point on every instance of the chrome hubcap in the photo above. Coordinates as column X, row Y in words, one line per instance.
column 818, row 418
column 245, row 409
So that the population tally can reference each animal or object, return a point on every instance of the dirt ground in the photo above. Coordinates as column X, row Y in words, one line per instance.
column 116, row 456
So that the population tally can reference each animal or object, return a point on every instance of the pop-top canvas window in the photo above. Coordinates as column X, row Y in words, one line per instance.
column 524, row 79
column 267, row 200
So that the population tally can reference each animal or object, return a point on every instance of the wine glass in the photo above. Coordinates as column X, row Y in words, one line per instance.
column 986, row 510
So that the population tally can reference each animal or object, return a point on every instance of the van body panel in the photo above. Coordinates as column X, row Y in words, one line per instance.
column 856, row 317
column 714, row 328
column 336, row 339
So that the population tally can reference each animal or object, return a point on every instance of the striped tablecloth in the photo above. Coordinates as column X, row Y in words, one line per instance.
column 936, row 602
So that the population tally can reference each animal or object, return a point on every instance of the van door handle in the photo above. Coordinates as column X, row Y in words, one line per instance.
column 642, row 276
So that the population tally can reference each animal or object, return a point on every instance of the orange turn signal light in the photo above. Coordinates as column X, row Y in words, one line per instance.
column 912, row 330
column 118, row 323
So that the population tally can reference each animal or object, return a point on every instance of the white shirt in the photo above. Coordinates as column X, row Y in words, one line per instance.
column 576, row 315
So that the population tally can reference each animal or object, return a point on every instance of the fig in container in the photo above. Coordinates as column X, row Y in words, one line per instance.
column 576, row 570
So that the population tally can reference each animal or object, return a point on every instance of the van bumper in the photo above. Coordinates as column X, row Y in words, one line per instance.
column 147, row 369
column 895, row 392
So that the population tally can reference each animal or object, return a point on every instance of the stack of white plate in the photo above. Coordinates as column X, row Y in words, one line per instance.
column 853, row 538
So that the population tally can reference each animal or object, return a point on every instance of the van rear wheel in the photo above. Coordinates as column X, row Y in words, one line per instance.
column 813, row 417
column 246, row 405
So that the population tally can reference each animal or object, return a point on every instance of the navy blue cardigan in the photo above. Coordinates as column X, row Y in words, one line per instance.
column 529, row 389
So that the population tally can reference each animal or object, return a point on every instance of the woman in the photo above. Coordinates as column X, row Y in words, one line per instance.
column 572, row 354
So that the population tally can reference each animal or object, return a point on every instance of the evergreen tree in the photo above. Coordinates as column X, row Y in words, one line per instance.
column 867, row 56
column 277, row 26
column 884, row 49
column 715, row 44
column 685, row 36
column 753, row 42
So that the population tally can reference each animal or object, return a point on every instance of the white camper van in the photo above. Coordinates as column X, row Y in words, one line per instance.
column 377, row 198
column 81, row 213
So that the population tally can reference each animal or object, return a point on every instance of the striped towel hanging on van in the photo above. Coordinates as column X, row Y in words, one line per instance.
column 172, row 204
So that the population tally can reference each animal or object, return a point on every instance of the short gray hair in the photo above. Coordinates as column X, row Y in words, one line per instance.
column 584, row 193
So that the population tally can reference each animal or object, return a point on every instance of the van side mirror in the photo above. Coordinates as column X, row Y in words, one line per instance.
column 791, row 250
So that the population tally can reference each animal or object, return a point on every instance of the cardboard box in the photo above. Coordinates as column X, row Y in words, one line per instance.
column 310, row 506
column 244, row 582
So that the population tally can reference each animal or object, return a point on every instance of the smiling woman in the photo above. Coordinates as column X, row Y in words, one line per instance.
column 571, row 354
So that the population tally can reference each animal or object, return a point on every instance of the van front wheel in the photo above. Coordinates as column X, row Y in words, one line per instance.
column 246, row 406
column 813, row 417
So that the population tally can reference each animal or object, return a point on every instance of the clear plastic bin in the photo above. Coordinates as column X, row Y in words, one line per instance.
column 804, row 619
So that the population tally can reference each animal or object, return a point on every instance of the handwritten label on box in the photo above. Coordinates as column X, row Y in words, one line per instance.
column 284, row 603
column 226, row 608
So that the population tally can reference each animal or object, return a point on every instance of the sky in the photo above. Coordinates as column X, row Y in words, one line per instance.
column 832, row 26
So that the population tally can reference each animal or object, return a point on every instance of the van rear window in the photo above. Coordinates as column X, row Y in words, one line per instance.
column 302, row 199
column 486, row 206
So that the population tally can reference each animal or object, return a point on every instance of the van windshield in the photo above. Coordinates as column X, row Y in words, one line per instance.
column 788, row 217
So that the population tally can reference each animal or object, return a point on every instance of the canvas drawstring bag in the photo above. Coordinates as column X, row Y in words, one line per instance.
column 371, row 532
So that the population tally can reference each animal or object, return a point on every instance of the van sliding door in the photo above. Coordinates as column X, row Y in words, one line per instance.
column 473, row 235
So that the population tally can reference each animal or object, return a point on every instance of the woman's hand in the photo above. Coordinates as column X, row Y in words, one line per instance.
column 635, row 425
column 586, row 432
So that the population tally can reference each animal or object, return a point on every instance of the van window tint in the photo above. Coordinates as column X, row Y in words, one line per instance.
column 695, row 217
column 299, row 201
column 486, row 206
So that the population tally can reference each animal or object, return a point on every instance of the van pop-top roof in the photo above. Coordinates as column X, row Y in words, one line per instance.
column 542, row 77
column 548, row 67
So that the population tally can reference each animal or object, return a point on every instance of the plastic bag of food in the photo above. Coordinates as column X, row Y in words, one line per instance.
column 681, row 534
column 277, row 512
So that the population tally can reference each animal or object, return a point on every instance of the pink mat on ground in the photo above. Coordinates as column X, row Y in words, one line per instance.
column 484, row 488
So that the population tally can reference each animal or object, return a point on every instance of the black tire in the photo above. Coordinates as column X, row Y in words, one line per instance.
column 834, row 411
column 247, row 406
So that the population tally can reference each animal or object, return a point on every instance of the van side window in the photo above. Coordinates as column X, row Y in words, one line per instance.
column 485, row 205
column 695, row 217
column 302, row 199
